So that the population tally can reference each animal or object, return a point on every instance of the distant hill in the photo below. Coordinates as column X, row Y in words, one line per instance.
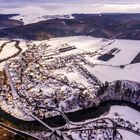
column 122, row 26
column 6, row 22
column 7, row 16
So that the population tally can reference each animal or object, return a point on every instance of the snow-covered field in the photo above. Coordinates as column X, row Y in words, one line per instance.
column 33, row 18
column 125, row 113
column 8, row 50
column 128, row 50
column 128, row 135
column 109, row 73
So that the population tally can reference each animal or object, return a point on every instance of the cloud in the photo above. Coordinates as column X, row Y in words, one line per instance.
column 55, row 9
column 72, row 1
column 68, row 6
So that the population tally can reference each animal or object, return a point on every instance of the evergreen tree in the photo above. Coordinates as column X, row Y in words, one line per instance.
column 118, row 86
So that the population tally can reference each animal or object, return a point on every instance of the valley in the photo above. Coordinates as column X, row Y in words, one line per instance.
column 69, row 70
column 66, row 74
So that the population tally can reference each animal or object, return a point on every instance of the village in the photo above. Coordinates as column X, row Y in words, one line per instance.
column 47, row 77
column 34, row 80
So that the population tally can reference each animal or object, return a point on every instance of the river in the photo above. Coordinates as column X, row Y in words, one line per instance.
column 77, row 116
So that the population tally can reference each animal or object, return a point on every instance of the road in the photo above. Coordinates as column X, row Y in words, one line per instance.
column 14, row 91
column 17, row 131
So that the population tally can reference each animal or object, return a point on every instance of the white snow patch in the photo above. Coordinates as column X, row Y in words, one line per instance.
column 126, row 113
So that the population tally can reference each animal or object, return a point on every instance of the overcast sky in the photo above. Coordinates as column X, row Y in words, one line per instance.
column 21, row 3
column 68, row 6
column 74, row 1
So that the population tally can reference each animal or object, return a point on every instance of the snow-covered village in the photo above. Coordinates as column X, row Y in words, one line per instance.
column 62, row 76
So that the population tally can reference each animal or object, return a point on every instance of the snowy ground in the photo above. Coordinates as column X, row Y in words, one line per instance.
column 8, row 50
column 129, row 136
column 28, row 19
column 126, row 113
column 129, row 47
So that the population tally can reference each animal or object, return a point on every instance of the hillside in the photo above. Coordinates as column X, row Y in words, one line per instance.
column 6, row 21
column 121, row 26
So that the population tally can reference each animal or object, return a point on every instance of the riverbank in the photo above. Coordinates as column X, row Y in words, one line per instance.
column 85, row 114
column 79, row 116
